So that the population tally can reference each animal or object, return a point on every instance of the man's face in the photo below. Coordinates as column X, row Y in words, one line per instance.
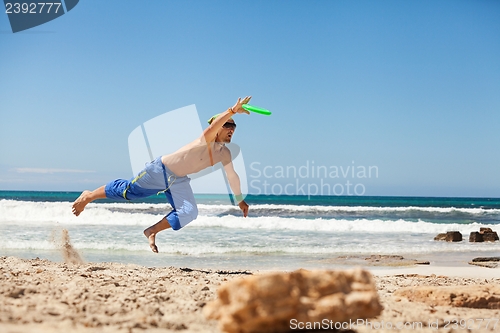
column 227, row 131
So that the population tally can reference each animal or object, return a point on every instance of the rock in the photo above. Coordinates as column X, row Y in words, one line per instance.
column 16, row 293
column 484, row 235
column 450, row 236
column 440, row 237
column 453, row 236
column 473, row 296
column 483, row 259
column 490, row 262
column 490, row 236
column 475, row 237
column 272, row 302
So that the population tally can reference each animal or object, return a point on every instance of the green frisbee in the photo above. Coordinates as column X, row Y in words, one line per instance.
column 256, row 109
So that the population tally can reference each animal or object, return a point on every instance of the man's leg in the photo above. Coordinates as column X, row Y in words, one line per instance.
column 186, row 209
column 151, row 232
column 87, row 197
column 181, row 198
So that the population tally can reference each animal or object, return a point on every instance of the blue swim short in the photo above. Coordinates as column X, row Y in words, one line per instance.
column 155, row 178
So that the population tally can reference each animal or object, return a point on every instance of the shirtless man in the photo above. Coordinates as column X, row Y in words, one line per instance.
column 168, row 173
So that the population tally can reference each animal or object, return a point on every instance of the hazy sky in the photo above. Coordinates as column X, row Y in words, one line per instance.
column 411, row 88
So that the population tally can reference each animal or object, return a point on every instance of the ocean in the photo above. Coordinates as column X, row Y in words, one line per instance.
column 280, row 233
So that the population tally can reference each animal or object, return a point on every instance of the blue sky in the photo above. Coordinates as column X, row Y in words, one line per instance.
column 411, row 87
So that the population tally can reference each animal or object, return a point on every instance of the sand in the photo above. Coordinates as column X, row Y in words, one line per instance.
column 43, row 296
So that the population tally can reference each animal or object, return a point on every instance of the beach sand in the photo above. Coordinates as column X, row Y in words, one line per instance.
column 43, row 296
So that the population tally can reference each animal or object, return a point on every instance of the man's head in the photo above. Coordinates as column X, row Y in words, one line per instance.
column 226, row 132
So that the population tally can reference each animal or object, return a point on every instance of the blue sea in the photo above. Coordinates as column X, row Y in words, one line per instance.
column 281, row 232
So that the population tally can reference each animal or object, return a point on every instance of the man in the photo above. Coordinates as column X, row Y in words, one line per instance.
column 168, row 173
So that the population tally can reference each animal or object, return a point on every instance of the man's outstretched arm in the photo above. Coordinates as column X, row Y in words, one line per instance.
column 210, row 133
column 234, row 183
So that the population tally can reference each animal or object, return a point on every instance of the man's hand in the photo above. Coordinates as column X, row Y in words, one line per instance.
column 237, row 108
column 244, row 207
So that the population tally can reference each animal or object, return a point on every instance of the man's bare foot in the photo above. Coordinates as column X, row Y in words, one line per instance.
column 81, row 202
column 151, row 238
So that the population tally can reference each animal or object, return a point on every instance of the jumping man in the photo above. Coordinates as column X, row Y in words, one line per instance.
column 168, row 173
